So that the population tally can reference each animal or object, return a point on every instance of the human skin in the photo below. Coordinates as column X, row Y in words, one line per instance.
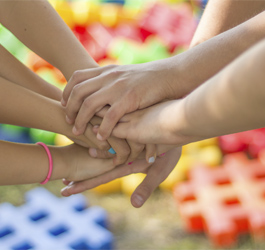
column 232, row 101
column 127, row 88
column 28, row 163
column 41, row 29
column 220, row 50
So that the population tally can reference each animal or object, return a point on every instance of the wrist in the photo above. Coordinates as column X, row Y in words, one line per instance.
column 181, row 130
column 60, row 163
column 180, row 81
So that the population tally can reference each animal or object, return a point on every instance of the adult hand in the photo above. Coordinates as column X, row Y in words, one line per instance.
column 124, row 88
column 155, row 175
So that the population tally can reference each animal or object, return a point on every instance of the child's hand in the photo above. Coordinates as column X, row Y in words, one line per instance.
column 158, row 124
column 126, row 151
column 125, row 88
column 80, row 165
column 156, row 174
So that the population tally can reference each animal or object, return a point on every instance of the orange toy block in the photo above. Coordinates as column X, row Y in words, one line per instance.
column 225, row 201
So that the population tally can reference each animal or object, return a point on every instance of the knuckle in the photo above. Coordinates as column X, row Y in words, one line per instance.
column 103, row 146
column 76, row 91
column 144, row 190
column 76, row 76
column 87, row 103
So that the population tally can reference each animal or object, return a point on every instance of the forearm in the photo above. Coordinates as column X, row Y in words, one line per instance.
column 220, row 16
column 13, row 70
column 200, row 63
column 40, row 28
column 22, row 107
column 28, row 163
column 230, row 102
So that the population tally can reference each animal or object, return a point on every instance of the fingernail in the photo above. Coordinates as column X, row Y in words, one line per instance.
column 162, row 155
column 68, row 120
column 138, row 200
column 99, row 137
column 74, row 130
column 151, row 159
column 63, row 102
column 130, row 163
column 93, row 152
column 66, row 188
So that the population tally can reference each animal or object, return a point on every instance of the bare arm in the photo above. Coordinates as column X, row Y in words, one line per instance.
column 13, row 70
column 231, row 101
column 139, row 86
column 40, row 28
column 220, row 16
column 23, row 107
column 27, row 163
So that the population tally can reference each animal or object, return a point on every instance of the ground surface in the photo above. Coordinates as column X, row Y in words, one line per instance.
column 156, row 226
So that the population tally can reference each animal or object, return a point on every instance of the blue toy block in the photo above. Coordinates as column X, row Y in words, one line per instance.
column 14, row 134
column 46, row 222
column 121, row 2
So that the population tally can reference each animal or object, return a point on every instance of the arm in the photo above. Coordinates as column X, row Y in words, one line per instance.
column 135, row 87
column 40, row 28
column 22, row 107
column 230, row 102
column 13, row 70
column 30, row 164
column 220, row 16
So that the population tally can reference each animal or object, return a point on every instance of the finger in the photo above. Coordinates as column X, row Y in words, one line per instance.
column 102, row 154
column 121, row 148
column 101, row 113
column 91, row 136
column 66, row 182
column 136, row 150
column 77, row 77
column 111, row 118
column 77, row 96
column 88, row 108
column 118, row 172
column 150, row 153
column 82, row 186
column 157, row 173
column 121, row 130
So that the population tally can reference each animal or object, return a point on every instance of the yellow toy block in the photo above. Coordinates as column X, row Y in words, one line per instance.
column 108, row 188
column 109, row 14
column 66, row 13
column 81, row 13
column 129, row 183
column 211, row 156
column 61, row 140
column 179, row 173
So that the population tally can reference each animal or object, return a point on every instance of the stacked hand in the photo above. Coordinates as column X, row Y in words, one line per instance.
column 110, row 93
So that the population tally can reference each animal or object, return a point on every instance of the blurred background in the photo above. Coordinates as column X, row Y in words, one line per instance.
column 177, row 216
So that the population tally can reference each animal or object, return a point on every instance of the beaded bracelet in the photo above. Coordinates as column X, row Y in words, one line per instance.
column 50, row 162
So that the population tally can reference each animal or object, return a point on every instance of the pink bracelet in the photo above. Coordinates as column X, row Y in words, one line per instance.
column 50, row 162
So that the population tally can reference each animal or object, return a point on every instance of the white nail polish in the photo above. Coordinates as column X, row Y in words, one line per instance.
column 151, row 159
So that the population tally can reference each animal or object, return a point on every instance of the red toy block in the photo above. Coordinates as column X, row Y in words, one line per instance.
column 252, row 142
column 174, row 25
column 225, row 201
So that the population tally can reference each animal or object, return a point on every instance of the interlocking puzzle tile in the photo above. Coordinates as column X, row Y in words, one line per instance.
column 175, row 26
column 252, row 142
column 46, row 222
column 225, row 201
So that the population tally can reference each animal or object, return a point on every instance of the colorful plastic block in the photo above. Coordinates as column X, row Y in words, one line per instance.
column 226, row 201
column 46, row 222
column 14, row 134
column 175, row 26
column 252, row 142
